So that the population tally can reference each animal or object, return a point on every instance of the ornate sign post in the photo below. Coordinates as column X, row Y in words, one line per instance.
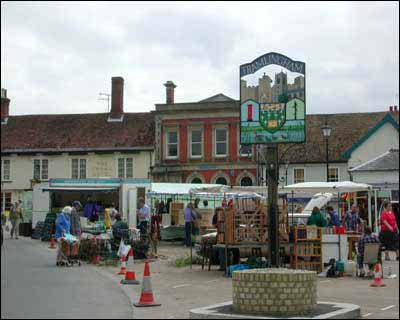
column 272, row 111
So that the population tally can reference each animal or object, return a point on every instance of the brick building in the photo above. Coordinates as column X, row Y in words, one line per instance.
column 198, row 142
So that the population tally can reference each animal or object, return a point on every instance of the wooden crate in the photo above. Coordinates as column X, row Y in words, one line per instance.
column 177, row 213
column 206, row 217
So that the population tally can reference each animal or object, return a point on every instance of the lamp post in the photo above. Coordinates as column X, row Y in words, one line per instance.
column 326, row 131
column 286, row 172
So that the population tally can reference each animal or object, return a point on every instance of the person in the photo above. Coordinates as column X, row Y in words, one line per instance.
column 196, row 203
column 367, row 237
column 99, row 211
column 389, row 234
column 63, row 226
column 15, row 218
column 205, row 203
column 215, row 219
column 143, row 216
column 317, row 219
column 75, row 219
column 119, row 223
column 334, row 220
column 89, row 208
column 352, row 219
column 189, row 216
column 154, row 233
column 113, row 211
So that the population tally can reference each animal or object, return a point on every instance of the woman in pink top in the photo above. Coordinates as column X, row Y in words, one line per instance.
column 389, row 235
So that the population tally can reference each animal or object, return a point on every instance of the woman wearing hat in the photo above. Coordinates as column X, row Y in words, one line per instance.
column 62, row 226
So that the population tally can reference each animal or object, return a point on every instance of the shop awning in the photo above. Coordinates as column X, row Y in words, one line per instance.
column 316, row 187
column 77, row 189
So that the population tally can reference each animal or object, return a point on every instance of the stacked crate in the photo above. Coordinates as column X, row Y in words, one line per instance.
column 176, row 211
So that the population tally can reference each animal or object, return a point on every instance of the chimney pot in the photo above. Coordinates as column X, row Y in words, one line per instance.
column 170, row 91
column 117, row 98
column 391, row 108
column 395, row 108
column 5, row 106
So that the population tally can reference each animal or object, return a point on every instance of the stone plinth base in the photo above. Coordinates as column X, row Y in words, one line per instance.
column 322, row 310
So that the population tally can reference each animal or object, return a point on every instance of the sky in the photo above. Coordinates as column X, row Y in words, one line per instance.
column 57, row 57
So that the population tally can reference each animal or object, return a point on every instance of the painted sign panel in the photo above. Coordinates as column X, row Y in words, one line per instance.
column 273, row 106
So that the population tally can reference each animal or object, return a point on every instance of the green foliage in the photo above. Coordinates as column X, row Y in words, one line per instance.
column 182, row 262
column 283, row 98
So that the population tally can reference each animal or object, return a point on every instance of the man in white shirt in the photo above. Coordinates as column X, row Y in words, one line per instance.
column 143, row 216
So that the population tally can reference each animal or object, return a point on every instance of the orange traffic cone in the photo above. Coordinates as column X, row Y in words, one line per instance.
column 377, row 277
column 52, row 243
column 123, row 266
column 146, row 297
column 130, row 276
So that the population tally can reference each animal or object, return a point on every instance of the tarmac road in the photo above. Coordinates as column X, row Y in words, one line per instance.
column 33, row 287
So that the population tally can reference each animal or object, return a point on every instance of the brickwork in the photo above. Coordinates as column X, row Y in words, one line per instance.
column 274, row 291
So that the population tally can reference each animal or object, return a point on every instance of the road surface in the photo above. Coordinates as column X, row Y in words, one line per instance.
column 33, row 287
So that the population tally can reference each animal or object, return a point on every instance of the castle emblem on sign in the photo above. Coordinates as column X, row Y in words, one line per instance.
column 272, row 116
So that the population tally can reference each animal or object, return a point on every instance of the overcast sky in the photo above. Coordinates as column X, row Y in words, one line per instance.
column 57, row 57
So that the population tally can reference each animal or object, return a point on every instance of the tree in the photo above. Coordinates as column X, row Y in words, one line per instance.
column 283, row 98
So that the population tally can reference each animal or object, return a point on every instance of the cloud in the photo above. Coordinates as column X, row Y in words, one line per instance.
column 57, row 57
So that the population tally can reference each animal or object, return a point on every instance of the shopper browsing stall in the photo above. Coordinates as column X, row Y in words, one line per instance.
column 15, row 218
column 352, row 219
column 143, row 216
column 189, row 216
column 389, row 234
column 367, row 237
column 317, row 219
column 334, row 220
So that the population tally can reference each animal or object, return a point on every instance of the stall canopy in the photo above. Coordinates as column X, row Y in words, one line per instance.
column 335, row 187
column 228, row 192
column 159, row 189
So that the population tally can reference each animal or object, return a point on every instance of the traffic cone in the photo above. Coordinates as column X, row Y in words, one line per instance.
column 130, row 276
column 377, row 277
column 146, row 297
column 123, row 266
column 52, row 243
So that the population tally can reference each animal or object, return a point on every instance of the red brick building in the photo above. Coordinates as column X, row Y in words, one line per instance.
column 198, row 142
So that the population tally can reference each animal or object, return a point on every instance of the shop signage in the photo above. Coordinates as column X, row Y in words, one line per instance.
column 272, row 103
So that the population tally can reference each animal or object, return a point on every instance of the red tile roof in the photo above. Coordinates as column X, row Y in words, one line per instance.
column 74, row 132
column 347, row 129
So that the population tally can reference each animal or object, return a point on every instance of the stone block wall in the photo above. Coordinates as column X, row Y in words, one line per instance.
column 274, row 291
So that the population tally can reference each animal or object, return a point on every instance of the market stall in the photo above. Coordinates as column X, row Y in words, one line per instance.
column 243, row 220
column 334, row 243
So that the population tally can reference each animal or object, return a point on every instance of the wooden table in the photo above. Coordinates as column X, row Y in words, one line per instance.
column 352, row 239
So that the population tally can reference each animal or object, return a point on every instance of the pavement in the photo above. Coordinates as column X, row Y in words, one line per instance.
column 33, row 287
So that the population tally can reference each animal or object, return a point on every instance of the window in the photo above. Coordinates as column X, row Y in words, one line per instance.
column 196, row 143
column 221, row 180
column 5, row 170
column 246, row 150
column 298, row 175
column 196, row 180
column 333, row 175
column 221, row 142
column 78, row 169
column 172, row 144
column 40, row 169
column 6, row 201
column 125, row 168
column 246, row 182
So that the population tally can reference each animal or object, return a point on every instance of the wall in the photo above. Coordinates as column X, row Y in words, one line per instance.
column 387, row 137
column 314, row 172
column 97, row 165
column 378, row 177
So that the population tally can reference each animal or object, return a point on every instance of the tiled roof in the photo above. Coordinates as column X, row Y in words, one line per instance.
column 347, row 129
column 74, row 132
column 386, row 162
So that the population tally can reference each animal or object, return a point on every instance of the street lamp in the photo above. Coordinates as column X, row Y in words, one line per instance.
column 326, row 131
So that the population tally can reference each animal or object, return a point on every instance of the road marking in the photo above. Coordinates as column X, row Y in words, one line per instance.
column 366, row 315
column 325, row 281
column 389, row 307
column 181, row 285
column 211, row 281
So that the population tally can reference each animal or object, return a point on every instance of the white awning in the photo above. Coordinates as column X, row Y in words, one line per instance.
column 229, row 192
column 77, row 189
column 175, row 188
column 343, row 186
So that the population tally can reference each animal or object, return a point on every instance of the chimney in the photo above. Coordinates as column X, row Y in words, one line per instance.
column 395, row 109
column 170, row 92
column 5, row 104
column 391, row 108
column 117, row 99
